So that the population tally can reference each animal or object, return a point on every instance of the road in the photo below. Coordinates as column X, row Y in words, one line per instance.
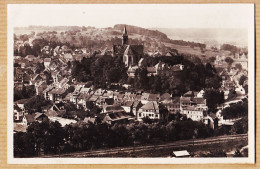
column 175, row 144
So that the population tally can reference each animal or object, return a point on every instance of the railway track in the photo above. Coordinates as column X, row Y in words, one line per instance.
column 176, row 144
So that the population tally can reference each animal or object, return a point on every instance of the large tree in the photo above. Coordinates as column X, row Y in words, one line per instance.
column 229, row 60
column 214, row 97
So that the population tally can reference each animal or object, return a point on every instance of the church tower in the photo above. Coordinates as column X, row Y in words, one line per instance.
column 125, row 37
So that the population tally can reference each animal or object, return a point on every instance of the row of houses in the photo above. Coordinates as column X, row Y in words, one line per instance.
column 155, row 70
column 230, row 82
column 238, row 59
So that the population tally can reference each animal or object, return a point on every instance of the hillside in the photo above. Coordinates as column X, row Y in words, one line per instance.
column 209, row 36
column 99, row 38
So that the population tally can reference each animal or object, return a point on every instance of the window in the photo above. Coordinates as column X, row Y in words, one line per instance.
column 140, row 114
column 156, row 115
column 149, row 115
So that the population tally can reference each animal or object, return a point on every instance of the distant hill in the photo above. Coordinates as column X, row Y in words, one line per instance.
column 94, row 39
column 100, row 38
column 213, row 37
column 142, row 31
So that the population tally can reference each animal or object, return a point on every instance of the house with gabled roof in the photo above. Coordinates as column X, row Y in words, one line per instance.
column 68, row 57
column 118, row 97
column 151, row 71
column 19, row 127
column 111, row 118
column 30, row 58
column 165, row 96
column 200, row 94
column 99, row 92
column 35, row 78
column 53, row 107
column 47, row 90
column 30, row 118
column 172, row 105
column 109, row 94
column 56, row 95
column 112, row 108
column 93, row 99
column 193, row 112
column 200, row 102
column 131, row 71
column 63, row 83
column 18, row 113
column 128, row 106
column 150, row 109
column 211, row 121
column 85, row 90
column 153, row 97
column 136, row 106
column 129, row 96
column 146, row 97
column 47, row 62
column 178, row 67
column 40, row 87
column 89, row 120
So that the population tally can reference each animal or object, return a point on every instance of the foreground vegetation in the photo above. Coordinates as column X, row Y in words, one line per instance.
column 51, row 138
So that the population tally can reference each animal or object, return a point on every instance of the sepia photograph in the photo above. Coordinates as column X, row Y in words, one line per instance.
column 131, row 83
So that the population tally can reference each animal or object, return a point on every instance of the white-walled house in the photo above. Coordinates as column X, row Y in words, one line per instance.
column 150, row 109
column 194, row 113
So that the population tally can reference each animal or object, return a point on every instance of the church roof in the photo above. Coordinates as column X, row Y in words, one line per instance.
column 137, row 49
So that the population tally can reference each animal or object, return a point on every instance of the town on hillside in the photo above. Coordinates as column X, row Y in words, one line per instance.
column 73, row 93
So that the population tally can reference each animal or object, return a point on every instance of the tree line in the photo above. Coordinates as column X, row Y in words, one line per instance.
column 50, row 138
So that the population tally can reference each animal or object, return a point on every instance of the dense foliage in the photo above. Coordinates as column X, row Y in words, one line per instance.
column 50, row 137
column 195, row 76
column 236, row 111
column 240, row 126
column 26, row 92
column 233, row 49
column 100, row 70
column 214, row 97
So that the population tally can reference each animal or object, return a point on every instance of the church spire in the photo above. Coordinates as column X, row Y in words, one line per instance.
column 125, row 37
column 125, row 32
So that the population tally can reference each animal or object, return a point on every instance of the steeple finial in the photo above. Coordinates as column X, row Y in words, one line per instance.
column 125, row 32
column 125, row 37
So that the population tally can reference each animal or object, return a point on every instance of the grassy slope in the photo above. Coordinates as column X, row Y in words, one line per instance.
column 105, row 34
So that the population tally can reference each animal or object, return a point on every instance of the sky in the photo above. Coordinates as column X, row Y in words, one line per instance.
column 143, row 15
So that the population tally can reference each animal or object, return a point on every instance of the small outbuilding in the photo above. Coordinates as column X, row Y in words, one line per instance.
column 179, row 154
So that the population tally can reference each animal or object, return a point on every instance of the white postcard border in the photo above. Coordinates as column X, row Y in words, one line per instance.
column 251, row 134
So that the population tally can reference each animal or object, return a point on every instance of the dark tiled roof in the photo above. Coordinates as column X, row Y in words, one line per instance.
column 22, row 101
column 47, row 59
column 165, row 96
column 199, row 100
column 19, row 127
column 151, row 70
column 119, row 49
column 57, row 91
column 30, row 118
column 16, row 107
column 128, row 104
column 150, row 106
column 119, row 116
column 153, row 97
column 113, row 108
